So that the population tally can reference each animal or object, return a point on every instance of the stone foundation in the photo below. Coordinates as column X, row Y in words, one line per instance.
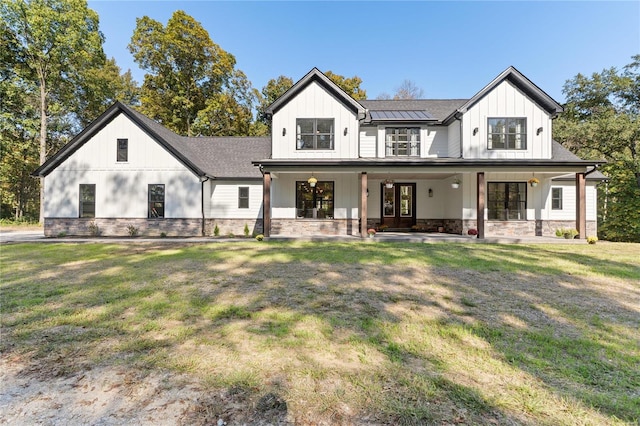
column 309, row 227
column 232, row 226
column 104, row 227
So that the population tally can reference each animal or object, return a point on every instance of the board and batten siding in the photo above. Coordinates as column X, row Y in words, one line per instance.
column 122, row 187
column 368, row 141
column 505, row 100
column 314, row 102
column 223, row 201
column 453, row 130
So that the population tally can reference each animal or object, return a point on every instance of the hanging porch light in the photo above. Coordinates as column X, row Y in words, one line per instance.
column 312, row 181
column 388, row 183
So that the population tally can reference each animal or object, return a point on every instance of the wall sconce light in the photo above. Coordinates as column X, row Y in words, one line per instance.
column 367, row 192
column 284, row 131
column 475, row 131
column 345, row 131
column 430, row 192
column 312, row 181
column 538, row 131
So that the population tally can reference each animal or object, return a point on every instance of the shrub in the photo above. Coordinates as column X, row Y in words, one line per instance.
column 592, row 239
column 246, row 230
column 163, row 235
column 231, row 235
column 216, row 230
column 94, row 229
column 132, row 230
column 259, row 237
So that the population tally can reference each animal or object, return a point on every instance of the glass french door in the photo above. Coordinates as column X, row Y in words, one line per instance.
column 399, row 205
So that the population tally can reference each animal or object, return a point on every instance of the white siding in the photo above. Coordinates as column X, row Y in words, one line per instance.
column 568, row 211
column 314, row 102
column 435, row 141
column 454, row 139
column 368, row 141
column 122, row 187
column 223, row 202
column 505, row 100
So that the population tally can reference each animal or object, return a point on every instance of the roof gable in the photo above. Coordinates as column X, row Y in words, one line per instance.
column 315, row 75
column 515, row 77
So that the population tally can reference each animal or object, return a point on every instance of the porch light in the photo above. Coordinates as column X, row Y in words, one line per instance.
column 284, row 131
column 538, row 131
column 430, row 192
column 388, row 183
column 475, row 131
column 312, row 181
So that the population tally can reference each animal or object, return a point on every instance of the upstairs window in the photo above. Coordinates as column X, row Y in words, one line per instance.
column 123, row 150
column 316, row 202
column 507, row 133
column 402, row 142
column 87, row 200
column 156, row 200
column 507, row 200
column 314, row 134
column 243, row 197
column 556, row 198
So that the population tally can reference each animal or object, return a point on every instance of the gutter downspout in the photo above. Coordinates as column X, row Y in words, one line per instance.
column 458, row 116
column 203, row 179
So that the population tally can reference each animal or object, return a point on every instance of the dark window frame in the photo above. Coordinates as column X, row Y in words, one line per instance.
column 502, row 208
column 315, row 137
column 122, row 148
column 243, row 199
column 319, row 206
column 394, row 147
column 557, row 199
column 83, row 211
column 156, row 201
column 506, row 140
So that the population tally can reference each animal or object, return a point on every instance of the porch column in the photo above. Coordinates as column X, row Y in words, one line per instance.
column 363, row 204
column 480, row 205
column 266, row 204
column 581, row 206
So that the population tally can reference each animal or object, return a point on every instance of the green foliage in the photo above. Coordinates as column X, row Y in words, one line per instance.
column 272, row 91
column 191, row 85
column 132, row 230
column 259, row 237
column 602, row 121
column 246, row 230
column 349, row 85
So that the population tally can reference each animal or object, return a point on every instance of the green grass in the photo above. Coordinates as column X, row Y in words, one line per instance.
column 346, row 333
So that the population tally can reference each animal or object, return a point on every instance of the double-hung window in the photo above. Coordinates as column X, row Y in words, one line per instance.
column 243, row 197
column 507, row 133
column 156, row 200
column 314, row 202
column 402, row 141
column 315, row 134
column 87, row 200
column 123, row 151
column 507, row 200
column 556, row 198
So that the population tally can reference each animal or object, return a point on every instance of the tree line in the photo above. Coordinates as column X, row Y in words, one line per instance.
column 55, row 79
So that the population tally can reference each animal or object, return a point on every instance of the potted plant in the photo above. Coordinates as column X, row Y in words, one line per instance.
column 534, row 181
column 456, row 183
column 383, row 227
column 371, row 232
column 472, row 231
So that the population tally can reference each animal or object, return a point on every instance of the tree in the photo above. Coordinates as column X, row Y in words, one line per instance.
column 602, row 121
column 275, row 88
column 191, row 82
column 52, row 41
column 349, row 85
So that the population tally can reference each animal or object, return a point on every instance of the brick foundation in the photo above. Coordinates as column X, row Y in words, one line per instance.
column 309, row 227
column 54, row 227
column 232, row 226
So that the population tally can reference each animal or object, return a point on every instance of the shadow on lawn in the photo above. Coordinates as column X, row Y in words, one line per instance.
column 394, row 301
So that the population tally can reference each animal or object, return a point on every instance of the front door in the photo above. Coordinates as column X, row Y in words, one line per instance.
column 399, row 205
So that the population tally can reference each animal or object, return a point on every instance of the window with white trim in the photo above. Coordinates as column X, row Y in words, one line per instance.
column 123, row 151
column 402, row 141
column 156, row 200
column 556, row 198
column 243, row 197
column 87, row 207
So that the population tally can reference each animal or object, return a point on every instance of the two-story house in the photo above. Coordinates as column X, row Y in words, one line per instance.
column 333, row 166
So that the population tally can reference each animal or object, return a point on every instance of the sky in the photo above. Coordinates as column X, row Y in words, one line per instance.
column 448, row 49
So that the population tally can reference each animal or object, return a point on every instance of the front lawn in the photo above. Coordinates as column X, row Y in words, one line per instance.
column 339, row 333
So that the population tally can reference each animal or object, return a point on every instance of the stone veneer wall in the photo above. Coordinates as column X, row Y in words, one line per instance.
column 309, row 227
column 54, row 227
column 233, row 226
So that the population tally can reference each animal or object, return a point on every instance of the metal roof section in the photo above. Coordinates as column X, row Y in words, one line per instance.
column 315, row 75
column 435, row 109
column 394, row 115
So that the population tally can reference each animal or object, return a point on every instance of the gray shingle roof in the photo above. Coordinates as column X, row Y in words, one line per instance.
column 438, row 109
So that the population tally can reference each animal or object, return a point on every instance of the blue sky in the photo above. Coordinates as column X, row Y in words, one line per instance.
column 449, row 49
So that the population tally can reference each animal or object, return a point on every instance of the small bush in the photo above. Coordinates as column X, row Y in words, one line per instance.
column 259, row 237
column 592, row 239
column 231, row 235
column 94, row 229
column 246, row 230
column 216, row 230
column 132, row 230
column 61, row 234
column 163, row 235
